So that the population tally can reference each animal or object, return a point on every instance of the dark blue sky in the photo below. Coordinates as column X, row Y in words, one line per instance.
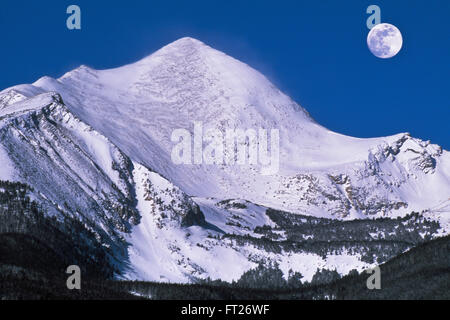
column 315, row 51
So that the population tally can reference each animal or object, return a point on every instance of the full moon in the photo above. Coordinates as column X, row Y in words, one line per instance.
column 384, row 40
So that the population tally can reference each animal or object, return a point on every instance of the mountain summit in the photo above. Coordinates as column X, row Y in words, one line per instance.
column 138, row 106
column 106, row 137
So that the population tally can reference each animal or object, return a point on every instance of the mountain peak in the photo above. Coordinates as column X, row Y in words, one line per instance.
column 187, row 85
column 184, row 47
column 187, row 41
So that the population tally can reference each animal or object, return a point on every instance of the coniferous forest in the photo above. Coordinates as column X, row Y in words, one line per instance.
column 36, row 249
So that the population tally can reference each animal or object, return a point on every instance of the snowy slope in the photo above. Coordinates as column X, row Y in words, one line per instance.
column 163, row 251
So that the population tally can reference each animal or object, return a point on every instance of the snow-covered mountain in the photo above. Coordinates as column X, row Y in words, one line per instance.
column 96, row 144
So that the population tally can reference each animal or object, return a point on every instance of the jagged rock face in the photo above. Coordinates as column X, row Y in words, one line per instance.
column 74, row 171
column 10, row 97
column 194, row 217
column 167, row 203
column 372, row 187
column 96, row 145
